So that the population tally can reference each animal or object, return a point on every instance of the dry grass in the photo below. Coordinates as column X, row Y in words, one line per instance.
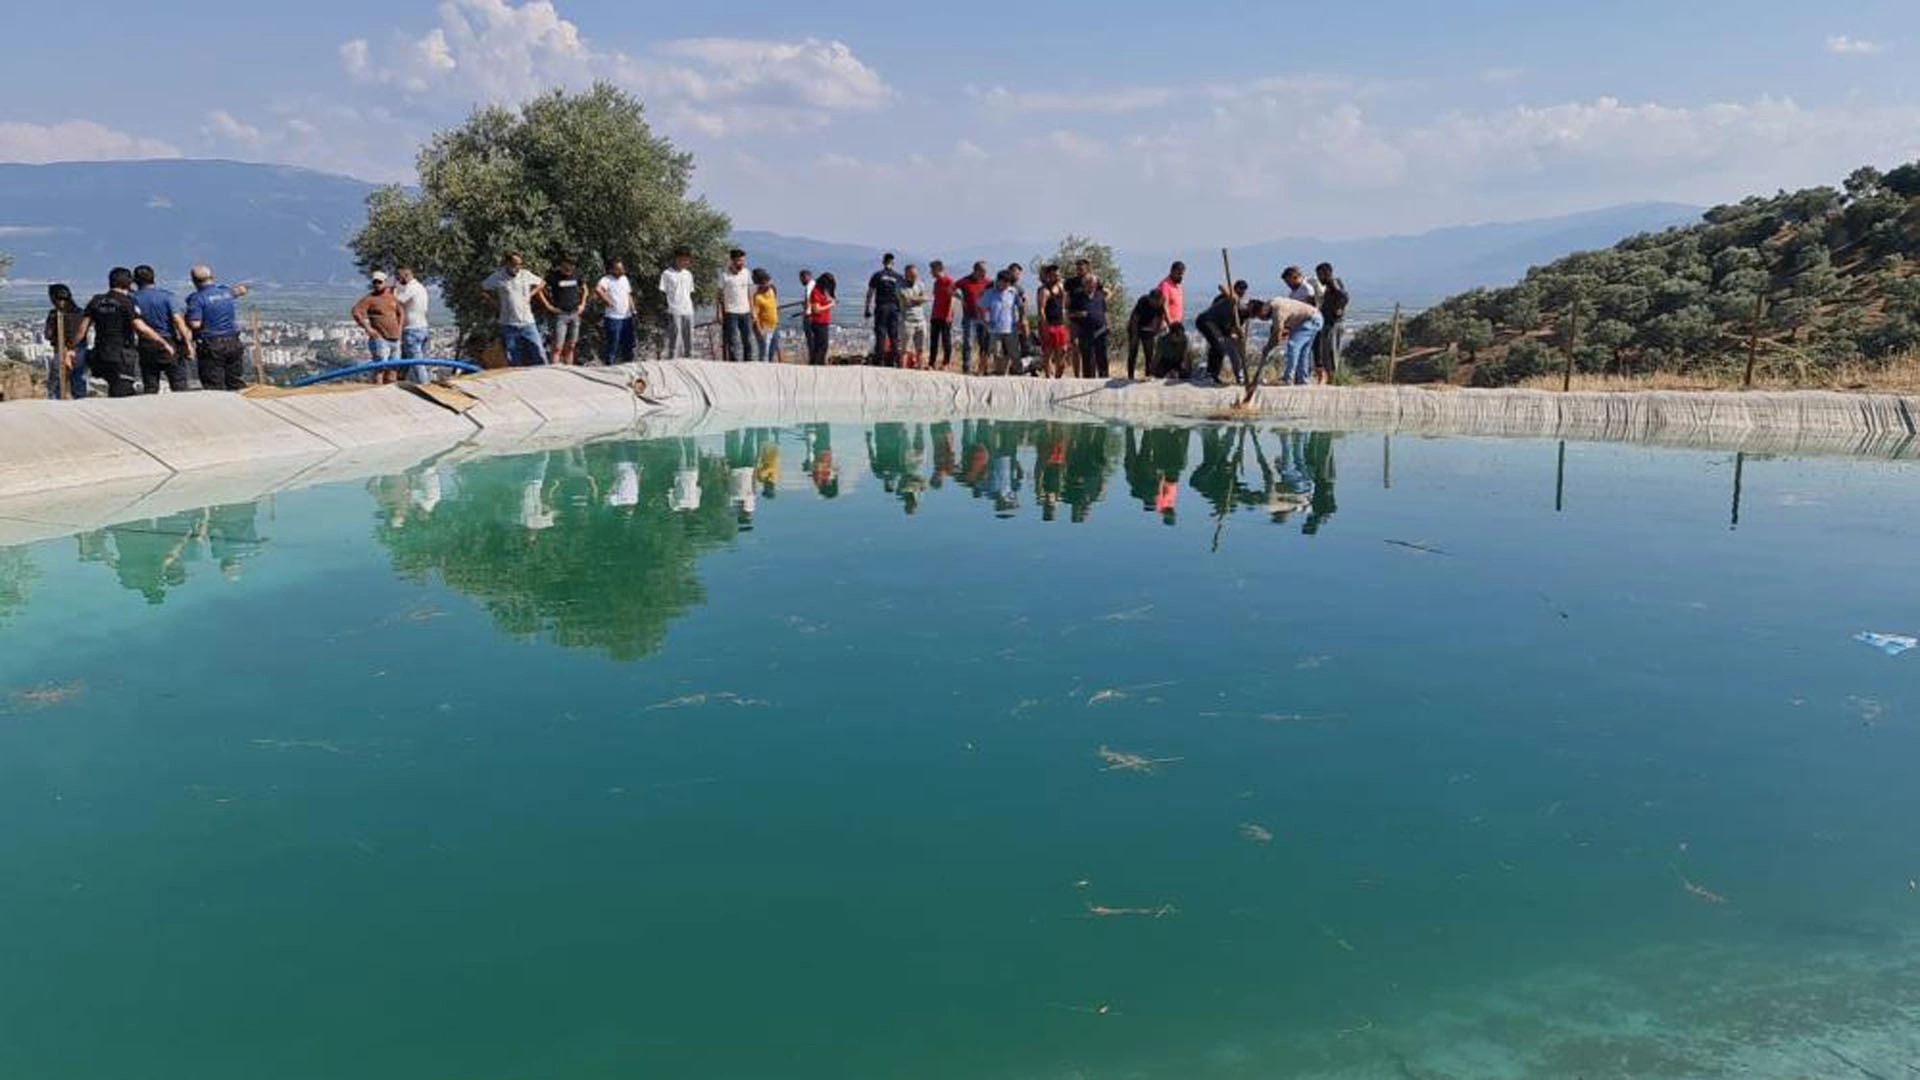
column 1901, row 375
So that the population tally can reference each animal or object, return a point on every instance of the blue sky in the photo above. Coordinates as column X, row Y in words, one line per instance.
column 1145, row 124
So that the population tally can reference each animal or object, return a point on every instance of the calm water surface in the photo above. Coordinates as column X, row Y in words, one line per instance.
column 975, row 751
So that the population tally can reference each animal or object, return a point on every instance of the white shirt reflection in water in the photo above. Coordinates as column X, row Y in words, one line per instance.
column 626, row 485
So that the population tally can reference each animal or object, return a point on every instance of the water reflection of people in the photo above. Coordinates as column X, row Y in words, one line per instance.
column 1154, row 464
column 819, row 465
column 1320, row 467
column 536, row 512
column 1050, row 469
column 624, row 493
column 233, row 536
column 685, row 497
column 150, row 557
column 1086, row 482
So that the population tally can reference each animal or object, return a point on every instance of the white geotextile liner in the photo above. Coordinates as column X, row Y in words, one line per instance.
column 372, row 417
column 195, row 431
column 1806, row 421
column 48, row 445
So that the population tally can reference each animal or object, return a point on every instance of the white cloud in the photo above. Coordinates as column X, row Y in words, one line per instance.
column 1842, row 45
column 1112, row 102
column 76, row 140
column 507, row 52
column 221, row 124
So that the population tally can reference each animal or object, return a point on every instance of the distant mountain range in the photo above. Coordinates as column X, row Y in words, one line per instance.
column 286, row 227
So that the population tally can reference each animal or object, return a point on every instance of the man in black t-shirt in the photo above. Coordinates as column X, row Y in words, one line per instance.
column 566, row 301
column 883, row 307
column 117, row 326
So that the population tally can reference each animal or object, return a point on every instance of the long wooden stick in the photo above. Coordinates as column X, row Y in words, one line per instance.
column 60, row 353
column 1239, row 332
column 259, row 362
column 1393, row 354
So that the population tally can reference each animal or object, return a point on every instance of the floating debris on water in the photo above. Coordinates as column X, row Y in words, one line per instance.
column 1891, row 644
column 1342, row 943
column 321, row 745
column 1699, row 892
column 1120, row 761
column 1421, row 548
column 1259, row 834
column 1312, row 663
column 1164, row 911
column 1121, row 693
column 416, row 616
column 1102, row 1009
column 723, row 697
column 1131, row 615
column 47, row 696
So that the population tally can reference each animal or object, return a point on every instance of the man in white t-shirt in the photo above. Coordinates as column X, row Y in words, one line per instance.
column 734, row 308
column 676, row 284
column 615, row 294
column 417, row 338
column 512, row 289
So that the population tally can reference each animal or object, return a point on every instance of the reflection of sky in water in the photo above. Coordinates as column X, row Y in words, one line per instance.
column 780, row 752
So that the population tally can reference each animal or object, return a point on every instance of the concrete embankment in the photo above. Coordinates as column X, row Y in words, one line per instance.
column 73, row 465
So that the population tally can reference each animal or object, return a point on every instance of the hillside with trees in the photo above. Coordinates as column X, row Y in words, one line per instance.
column 1809, row 282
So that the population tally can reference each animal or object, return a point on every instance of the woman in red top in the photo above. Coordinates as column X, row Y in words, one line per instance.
column 820, row 302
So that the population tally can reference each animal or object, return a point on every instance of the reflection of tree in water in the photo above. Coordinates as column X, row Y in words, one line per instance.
column 584, row 545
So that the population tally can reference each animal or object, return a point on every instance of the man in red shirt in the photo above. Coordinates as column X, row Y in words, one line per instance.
column 973, row 317
column 941, row 336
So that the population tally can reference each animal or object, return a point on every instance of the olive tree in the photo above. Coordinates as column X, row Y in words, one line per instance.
column 580, row 174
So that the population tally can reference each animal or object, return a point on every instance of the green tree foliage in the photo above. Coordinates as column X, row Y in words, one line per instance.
column 1830, row 269
column 582, row 174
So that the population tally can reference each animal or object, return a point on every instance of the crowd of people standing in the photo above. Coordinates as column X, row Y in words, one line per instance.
column 138, row 336
column 1063, row 329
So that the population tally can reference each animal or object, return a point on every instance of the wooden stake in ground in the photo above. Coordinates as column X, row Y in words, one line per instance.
column 259, row 362
column 60, row 353
column 1393, row 352
column 1753, row 339
column 1239, row 332
column 1573, row 343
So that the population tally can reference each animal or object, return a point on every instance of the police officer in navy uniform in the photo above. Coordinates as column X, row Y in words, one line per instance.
column 160, row 310
column 116, row 324
column 215, row 323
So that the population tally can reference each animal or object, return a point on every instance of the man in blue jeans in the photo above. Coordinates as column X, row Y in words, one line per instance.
column 416, row 341
column 973, row 316
column 1295, row 324
column 615, row 293
column 512, row 289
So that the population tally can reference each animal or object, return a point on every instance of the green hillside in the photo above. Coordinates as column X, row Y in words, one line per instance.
column 1823, row 278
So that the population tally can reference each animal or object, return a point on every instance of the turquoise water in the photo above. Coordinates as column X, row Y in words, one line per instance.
column 779, row 754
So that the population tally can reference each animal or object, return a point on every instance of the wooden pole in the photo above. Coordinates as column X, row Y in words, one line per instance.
column 59, row 371
column 1573, row 343
column 1239, row 332
column 259, row 362
column 1739, row 478
column 1560, row 480
column 1393, row 354
column 1753, row 339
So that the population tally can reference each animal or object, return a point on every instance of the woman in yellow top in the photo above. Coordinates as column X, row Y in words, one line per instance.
column 766, row 317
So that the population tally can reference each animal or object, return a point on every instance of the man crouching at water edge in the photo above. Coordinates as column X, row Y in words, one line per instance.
column 512, row 289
